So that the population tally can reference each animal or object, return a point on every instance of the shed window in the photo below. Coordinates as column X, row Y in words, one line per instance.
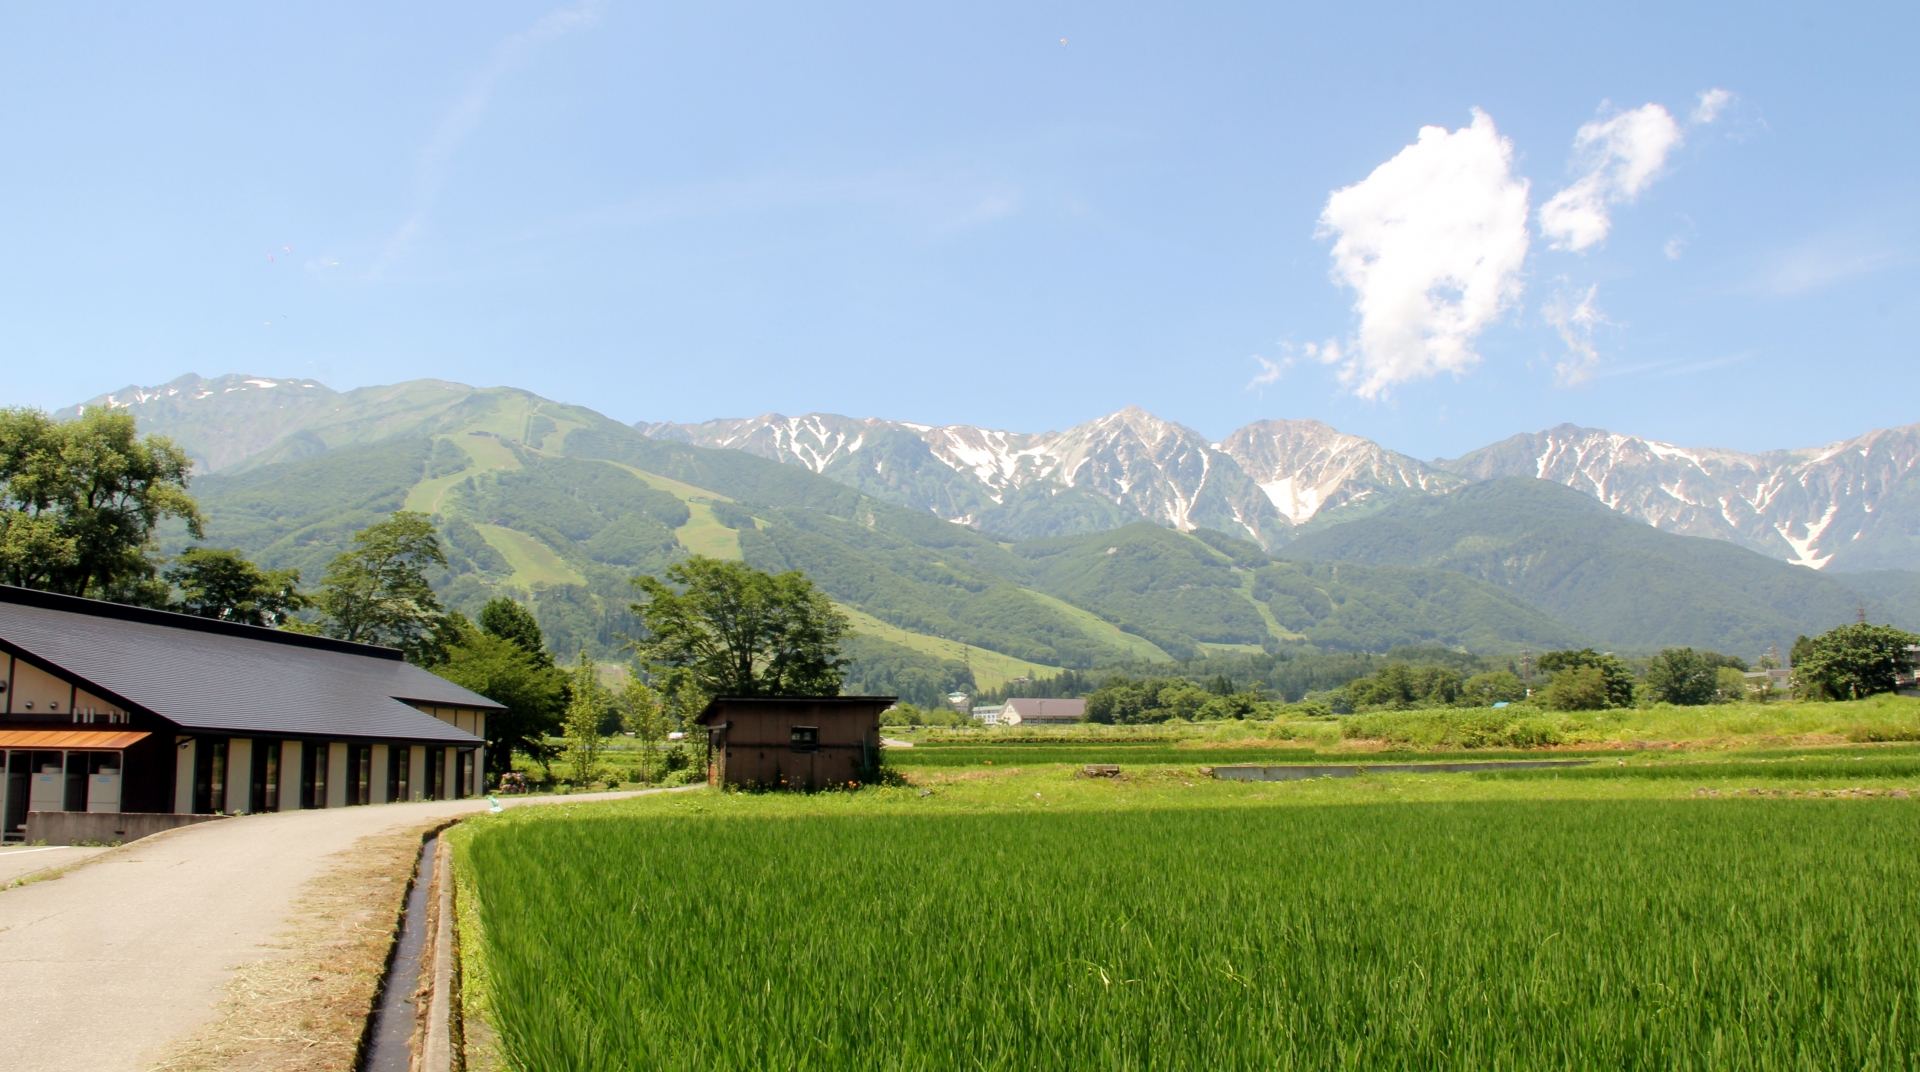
column 806, row 738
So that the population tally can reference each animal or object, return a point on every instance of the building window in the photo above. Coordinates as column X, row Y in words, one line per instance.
column 399, row 769
column 210, row 776
column 436, row 778
column 359, row 774
column 806, row 738
column 265, row 790
column 313, row 774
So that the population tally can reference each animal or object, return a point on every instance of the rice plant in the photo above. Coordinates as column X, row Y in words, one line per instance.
column 1641, row 935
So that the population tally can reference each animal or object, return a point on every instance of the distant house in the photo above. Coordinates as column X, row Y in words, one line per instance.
column 1042, row 712
column 106, row 708
column 1769, row 681
column 989, row 713
column 798, row 742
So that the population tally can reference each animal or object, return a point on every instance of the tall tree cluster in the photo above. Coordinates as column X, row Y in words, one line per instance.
column 733, row 630
column 80, row 500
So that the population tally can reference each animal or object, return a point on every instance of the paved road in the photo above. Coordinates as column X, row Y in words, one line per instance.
column 134, row 948
column 19, row 862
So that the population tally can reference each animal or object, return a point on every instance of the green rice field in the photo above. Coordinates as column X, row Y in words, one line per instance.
column 1046, row 922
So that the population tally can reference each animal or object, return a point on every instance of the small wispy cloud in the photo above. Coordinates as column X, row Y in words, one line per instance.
column 1659, row 370
column 1712, row 103
column 435, row 160
column 934, row 198
column 1432, row 242
column 1619, row 158
column 1830, row 259
column 1574, row 316
column 1270, row 372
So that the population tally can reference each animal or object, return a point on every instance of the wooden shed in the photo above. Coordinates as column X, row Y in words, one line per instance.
column 793, row 742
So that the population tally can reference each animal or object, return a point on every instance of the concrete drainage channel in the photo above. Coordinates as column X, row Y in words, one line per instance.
column 415, row 1026
column 415, row 1006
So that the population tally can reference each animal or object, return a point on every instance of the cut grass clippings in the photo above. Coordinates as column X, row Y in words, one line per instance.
column 305, row 1008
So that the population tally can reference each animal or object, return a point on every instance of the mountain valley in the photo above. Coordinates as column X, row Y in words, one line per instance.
column 979, row 556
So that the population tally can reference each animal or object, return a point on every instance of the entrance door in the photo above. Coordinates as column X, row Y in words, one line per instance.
column 13, row 826
column 210, row 776
column 263, row 794
column 399, row 770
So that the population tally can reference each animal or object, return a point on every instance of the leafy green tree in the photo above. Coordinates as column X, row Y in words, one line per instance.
column 508, row 619
column 221, row 584
column 1854, row 660
column 1578, row 688
column 1495, row 686
column 644, row 716
column 1614, row 673
column 1683, row 677
column 1399, row 686
column 79, row 502
column 587, row 707
column 377, row 592
column 1123, row 701
column 1234, row 705
column 737, row 631
column 534, row 692
column 1730, row 685
column 1724, row 662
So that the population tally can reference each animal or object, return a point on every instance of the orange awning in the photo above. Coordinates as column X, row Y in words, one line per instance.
column 114, row 739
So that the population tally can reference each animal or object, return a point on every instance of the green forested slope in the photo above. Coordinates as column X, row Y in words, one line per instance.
column 1625, row 584
column 1186, row 592
column 562, row 507
column 1896, row 594
column 567, row 522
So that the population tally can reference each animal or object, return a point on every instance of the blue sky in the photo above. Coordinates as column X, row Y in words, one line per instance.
column 1015, row 215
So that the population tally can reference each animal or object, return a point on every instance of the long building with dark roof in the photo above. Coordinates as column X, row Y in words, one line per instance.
column 110, row 708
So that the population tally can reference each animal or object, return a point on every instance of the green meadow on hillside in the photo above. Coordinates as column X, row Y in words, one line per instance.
column 542, row 503
column 1739, row 914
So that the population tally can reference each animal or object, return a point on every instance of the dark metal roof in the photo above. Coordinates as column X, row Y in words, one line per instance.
column 219, row 677
column 715, row 705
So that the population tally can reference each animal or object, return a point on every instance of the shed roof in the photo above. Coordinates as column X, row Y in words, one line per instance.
column 852, row 704
column 215, row 676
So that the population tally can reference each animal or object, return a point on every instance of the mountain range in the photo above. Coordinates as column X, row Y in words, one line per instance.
column 971, row 556
column 1851, row 506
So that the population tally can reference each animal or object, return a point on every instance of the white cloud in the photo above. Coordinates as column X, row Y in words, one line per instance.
column 1712, row 103
column 1829, row 259
column 1674, row 247
column 1574, row 316
column 1621, row 157
column 1433, row 242
column 1270, row 371
column 436, row 158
